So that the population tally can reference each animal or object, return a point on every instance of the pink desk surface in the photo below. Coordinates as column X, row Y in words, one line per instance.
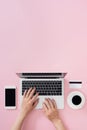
column 73, row 119
column 43, row 36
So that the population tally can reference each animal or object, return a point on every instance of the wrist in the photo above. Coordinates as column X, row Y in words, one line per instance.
column 19, row 122
column 22, row 115
column 56, row 122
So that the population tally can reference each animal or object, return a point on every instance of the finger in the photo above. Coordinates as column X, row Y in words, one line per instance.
column 36, row 102
column 47, row 103
column 25, row 92
column 28, row 92
column 32, row 93
column 50, row 103
column 54, row 102
column 34, row 97
column 45, row 107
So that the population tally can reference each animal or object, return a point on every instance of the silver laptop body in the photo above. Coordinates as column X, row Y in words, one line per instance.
column 47, row 84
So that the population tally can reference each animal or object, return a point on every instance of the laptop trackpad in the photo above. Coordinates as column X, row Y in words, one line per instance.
column 59, row 101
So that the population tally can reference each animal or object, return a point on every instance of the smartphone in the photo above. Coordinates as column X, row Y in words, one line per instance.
column 10, row 97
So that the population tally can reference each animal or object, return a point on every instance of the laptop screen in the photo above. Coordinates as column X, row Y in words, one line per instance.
column 41, row 75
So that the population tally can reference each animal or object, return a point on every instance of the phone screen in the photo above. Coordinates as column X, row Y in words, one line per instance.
column 10, row 97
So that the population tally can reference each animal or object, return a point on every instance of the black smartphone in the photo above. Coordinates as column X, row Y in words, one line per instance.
column 10, row 97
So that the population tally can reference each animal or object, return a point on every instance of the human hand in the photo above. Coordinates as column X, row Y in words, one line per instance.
column 50, row 110
column 29, row 101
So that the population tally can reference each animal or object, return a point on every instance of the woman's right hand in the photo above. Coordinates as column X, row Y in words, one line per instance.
column 51, row 111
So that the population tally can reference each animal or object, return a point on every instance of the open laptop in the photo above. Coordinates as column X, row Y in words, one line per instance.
column 47, row 84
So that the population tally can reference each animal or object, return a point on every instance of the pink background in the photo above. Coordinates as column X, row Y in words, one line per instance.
column 43, row 36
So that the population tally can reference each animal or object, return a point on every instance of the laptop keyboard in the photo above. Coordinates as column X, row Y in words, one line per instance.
column 44, row 87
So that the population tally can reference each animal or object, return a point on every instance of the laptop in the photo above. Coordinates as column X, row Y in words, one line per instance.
column 49, row 85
